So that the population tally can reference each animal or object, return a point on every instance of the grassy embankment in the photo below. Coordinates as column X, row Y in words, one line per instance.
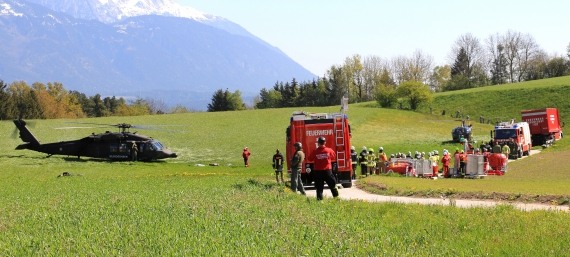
column 177, row 208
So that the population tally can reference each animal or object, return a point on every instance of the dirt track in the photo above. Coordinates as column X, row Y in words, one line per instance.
column 358, row 194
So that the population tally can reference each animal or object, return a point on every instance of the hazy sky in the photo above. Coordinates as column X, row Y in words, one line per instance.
column 321, row 33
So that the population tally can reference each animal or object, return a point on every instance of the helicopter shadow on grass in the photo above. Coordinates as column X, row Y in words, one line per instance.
column 97, row 160
column 449, row 142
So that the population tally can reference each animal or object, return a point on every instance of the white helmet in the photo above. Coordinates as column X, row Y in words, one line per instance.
column 364, row 148
column 352, row 148
column 381, row 149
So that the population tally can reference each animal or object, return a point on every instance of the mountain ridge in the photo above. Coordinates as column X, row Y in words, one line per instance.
column 138, row 56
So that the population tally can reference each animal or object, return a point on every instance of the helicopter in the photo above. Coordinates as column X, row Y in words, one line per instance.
column 114, row 146
column 461, row 132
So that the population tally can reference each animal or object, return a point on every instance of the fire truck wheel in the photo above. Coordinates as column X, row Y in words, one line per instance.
column 520, row 154
column 347, row 185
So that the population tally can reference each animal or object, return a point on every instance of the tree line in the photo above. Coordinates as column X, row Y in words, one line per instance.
column 52, row 100
column 500, row 59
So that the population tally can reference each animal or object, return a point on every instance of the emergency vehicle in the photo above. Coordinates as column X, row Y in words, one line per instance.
column 545, row 126
column 515, row 135
column 307, row 128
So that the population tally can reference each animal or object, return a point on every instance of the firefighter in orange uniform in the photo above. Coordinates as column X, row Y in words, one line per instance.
column 462, row 163
column 322, row 158
column 383, row 160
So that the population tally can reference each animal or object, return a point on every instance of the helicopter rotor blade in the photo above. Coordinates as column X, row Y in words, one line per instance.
column 159, row 127
column 76, row 127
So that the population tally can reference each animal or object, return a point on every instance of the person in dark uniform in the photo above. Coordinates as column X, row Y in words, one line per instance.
column 322, row 158
column 278, row 166
column 362, row 157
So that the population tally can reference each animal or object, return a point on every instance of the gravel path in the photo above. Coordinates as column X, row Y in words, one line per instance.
column 354, row 193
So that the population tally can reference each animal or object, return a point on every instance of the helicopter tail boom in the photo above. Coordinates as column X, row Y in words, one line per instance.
column 26, row 135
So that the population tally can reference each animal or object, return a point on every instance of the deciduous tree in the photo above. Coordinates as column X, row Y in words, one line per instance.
column 415, row 93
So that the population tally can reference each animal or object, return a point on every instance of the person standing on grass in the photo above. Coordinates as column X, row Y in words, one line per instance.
column 354, row 160
column 245, row 156
column 456, row 161
column 323, row 157
column 296, row 167
column 383, row 158
column 445, row 162
column 506, row 150
column 371, row 161
column 278, row 166
column 462, row 163
column 362, row 159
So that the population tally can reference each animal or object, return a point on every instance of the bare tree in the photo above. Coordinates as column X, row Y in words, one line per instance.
column 372, row 75
column 475, row 54
column 354, row 79
column 512, row 43
column 418, row 67
column 528, row 49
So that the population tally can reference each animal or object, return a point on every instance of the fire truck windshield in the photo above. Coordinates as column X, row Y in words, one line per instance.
column 505, row 133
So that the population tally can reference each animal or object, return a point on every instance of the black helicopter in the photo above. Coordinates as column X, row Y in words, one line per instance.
column 115, row 146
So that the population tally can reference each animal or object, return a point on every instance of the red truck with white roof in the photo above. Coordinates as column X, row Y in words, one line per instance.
column 545, row 125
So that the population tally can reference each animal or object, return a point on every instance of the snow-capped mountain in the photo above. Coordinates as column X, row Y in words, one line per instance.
column 182, row 59
column 109, row 11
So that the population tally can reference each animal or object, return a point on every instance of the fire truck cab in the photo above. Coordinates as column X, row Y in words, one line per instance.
column 515, row 135
column 307, row 128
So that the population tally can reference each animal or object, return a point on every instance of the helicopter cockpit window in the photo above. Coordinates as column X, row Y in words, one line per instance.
column 156, row 145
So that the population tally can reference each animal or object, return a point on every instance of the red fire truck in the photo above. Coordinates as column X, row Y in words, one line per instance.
column 307, row 128
column 515, row 135
column 544, row 125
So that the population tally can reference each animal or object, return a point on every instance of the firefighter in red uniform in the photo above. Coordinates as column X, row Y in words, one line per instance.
column 446, row 160
column 245, row 156
column 322, row 158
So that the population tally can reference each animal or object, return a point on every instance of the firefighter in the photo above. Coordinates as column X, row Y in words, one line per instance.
column 456, row 161
column 296, row 166
column 278, row 166
column 445, row 162
column 433, row 163
column 246, row 153
column 497, row 148
column 362, row 158
column 437, row 158
column 371, row 161
column 354, row 159
column 418, row 155
column 322, row 158
column 506, row 150
column 383, row 160
column 462, row 163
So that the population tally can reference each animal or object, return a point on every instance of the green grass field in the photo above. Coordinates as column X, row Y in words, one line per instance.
column 175, row 207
